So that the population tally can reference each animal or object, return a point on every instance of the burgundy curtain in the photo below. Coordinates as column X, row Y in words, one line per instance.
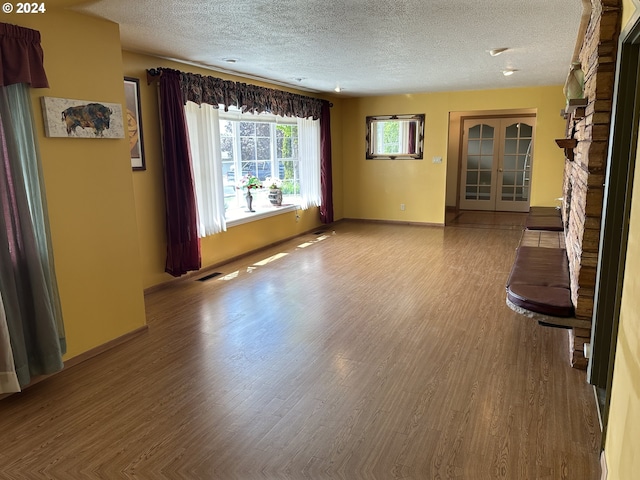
column 412, row 137
column 21, row 57
column 183, row 244
column 326, row 177
column 250, row 98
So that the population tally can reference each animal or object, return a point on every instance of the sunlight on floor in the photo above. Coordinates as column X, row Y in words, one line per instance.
column 230, row 276
column 319, row 239
column 270, row 259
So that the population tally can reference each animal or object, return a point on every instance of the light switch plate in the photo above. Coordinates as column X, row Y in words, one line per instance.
column 437, row 159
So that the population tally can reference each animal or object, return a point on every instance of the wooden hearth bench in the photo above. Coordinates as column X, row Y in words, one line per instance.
column 544, row 218
column 539, row 284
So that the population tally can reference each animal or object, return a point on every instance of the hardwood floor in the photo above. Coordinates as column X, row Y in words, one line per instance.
column 377, row 352
column 486, row 219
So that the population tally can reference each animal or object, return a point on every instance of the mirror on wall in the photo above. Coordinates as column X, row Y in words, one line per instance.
column 395, row 137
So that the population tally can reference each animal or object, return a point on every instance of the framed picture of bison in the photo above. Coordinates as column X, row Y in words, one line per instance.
column 68, row 118
column 133, row 119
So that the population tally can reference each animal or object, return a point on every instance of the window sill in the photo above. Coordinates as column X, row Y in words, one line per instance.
column 240, row 217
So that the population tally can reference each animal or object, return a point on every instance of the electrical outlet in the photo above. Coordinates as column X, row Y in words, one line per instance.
column 402, row 207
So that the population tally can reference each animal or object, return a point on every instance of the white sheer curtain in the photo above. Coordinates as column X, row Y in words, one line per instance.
column 8, row 378
column 403, row 136
column 309, row 155
column 377, row 135
column 204, row 137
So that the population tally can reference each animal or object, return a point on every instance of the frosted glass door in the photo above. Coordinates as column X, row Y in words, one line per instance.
column 515, row 173
column 479, row 164
column 497, row 155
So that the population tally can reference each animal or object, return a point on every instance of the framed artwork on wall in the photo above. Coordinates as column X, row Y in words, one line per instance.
column 68, row 118
column 133, row 122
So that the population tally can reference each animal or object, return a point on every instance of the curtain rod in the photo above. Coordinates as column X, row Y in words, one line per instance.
column 154, row 74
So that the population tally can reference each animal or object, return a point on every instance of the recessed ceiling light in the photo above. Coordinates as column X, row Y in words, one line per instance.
column 509, row 71
column 338, row 89
column 497, row 51
column 230, row 60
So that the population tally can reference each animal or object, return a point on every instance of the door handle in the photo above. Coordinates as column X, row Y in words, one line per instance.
column 499, row 169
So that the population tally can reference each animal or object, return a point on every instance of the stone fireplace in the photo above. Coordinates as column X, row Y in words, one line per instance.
column 584, row 176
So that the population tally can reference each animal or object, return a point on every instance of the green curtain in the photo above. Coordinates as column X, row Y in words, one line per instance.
column 8, row 378
column 27, row 277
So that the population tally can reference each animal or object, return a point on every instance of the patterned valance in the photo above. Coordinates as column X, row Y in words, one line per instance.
column 21, row 57
column 249, row 98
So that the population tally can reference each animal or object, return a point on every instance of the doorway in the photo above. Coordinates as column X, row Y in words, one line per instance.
column 495, row 165
column 614, row 231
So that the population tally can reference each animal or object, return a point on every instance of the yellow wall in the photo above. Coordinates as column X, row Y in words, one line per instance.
column 623, row 431
column 88, row 185
column 149, row 189
column 374, row 189
column 628, row 9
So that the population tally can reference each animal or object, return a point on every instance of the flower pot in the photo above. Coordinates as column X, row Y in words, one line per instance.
column 275, row 196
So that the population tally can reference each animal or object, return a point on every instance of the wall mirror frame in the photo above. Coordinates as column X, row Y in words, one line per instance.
column 395, row 137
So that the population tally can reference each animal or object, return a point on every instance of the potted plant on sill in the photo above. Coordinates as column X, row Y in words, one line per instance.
column 275, row 191
column 249, row 182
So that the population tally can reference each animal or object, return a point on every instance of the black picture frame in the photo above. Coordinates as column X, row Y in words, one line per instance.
column 133, row 122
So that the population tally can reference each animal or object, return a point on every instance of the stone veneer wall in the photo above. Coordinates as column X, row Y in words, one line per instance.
column 584, row 177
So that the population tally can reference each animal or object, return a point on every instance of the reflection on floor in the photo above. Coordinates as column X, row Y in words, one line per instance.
column 482, row 219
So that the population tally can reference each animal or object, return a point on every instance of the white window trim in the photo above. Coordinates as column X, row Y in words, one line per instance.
column 259, row 214
column 236, row 115
column 238, row 216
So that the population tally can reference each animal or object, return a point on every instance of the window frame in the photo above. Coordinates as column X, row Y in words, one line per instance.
column 234, row 212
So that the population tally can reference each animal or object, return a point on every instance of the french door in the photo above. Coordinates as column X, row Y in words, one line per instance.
column 497, row 155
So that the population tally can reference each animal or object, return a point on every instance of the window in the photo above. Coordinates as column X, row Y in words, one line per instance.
column 226, row 146
column 266, row 147
column 389, row 133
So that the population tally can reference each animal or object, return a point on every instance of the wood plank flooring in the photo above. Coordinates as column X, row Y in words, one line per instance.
column 377, row 352
column 486, row 219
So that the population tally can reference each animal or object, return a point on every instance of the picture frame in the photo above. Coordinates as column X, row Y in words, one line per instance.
column 84, row 119
column 133, row 122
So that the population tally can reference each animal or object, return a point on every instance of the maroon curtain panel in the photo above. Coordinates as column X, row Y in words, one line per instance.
column 412, row 137
column 183, row 244
column 21, row 57
column 326, row 175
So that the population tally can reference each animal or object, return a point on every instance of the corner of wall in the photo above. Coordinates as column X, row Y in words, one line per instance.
column 88, row 185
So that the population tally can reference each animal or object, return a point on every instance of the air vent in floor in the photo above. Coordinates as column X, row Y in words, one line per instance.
column 209, row 277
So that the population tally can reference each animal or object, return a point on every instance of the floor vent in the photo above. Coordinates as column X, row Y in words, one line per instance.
column 208, row 277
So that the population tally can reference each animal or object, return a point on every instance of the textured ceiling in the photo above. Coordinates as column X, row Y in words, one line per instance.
column 367, row 47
